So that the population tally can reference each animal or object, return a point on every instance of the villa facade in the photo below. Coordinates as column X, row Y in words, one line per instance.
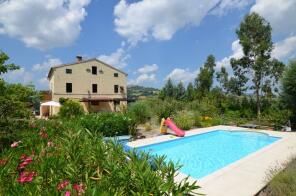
column 98, row 86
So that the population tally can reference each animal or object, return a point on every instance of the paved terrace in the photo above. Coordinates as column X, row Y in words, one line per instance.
column 244, row 177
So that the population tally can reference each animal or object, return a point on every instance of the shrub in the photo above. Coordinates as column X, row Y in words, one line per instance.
column 139, row 111
column 217, row 121
column 184, row 120
column 61, row 157
column 232, row 114
column 63, row 100
column 13, row 109
column 165, row 110
column 197, row 119
column 206, row 123
column 276, row 117
column 71, row 109
column 109, row 124
column 205, row 107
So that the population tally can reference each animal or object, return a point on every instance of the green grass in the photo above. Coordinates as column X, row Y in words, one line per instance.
column 283, row 183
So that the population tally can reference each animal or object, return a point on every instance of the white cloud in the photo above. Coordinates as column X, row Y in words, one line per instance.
column 147, row 74
column 19, row 76
column 118, row 58
column 43, row 81
column 143, row 79
column 45, row 66
column 161, row 19
column 148, row 69
column 280, row 13
column 36, row 75
column 237, row 52
column 184, row 75
column 227, row 5
column 42, row 69
column 285, row 48
column 43, row 24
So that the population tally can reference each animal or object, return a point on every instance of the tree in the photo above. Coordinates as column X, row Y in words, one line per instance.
column 254, row 35
column 204, row 79
column 237, row 83
column 4, row 67
column 180, row 91
column 222, row 78
column 14, row 98
column 288, row 95
column 168, row 90
column 189, row 92
column 236, row 86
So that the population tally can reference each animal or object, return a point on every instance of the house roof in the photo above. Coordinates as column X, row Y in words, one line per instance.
column 84, row 61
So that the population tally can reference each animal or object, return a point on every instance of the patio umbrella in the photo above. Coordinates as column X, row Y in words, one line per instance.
column 51, row 104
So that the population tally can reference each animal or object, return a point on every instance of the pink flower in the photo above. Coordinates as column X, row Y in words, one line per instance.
column 23, row 157
column 80, row 188
column 63, row 184
column 15, row 144
column 26, row 161
column 68, row 193
column 50, row 144
column 3, row 162
column 43, row 134
column 26, row 176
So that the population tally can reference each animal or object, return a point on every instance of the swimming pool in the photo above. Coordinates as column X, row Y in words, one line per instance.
column 205, row 153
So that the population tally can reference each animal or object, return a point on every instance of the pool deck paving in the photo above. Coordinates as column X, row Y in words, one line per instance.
column 244, row 177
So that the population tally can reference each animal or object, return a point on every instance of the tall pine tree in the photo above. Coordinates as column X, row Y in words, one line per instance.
column 168, row 90
column 204, row 79
column 180, row 91
column 189, row 92
column 254, row 35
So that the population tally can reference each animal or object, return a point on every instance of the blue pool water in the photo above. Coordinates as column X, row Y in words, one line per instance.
column 205, row 153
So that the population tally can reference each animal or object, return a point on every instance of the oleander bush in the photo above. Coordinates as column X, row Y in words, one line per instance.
column 62, row 158
column 10, row 129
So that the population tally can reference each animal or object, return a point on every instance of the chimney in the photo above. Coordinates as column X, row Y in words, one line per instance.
column 79, row 58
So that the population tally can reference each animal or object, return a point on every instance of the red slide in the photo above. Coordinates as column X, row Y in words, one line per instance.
column 179, row 132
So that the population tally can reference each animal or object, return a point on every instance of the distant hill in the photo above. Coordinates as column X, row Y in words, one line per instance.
column 139, row 92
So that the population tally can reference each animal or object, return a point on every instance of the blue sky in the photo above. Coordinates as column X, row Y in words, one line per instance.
column 151, row 40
